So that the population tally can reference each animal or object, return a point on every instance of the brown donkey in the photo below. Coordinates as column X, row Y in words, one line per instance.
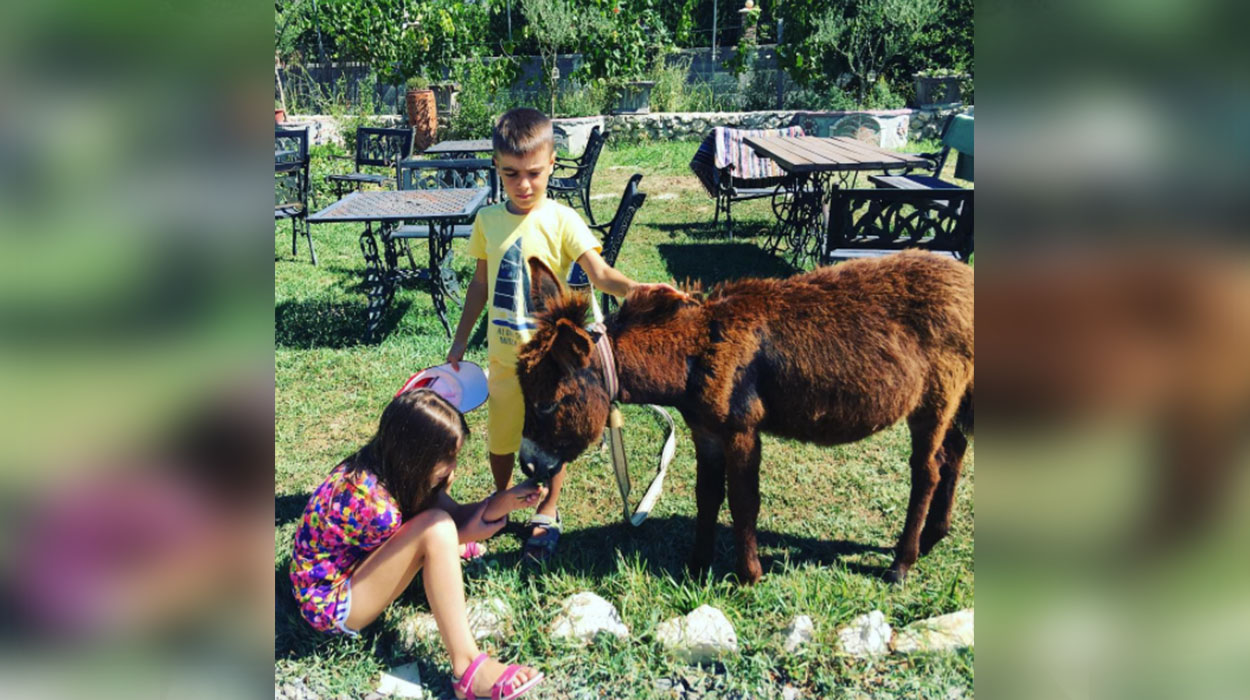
column 830, row 356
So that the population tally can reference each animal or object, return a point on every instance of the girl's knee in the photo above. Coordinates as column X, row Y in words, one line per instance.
column 433, row 525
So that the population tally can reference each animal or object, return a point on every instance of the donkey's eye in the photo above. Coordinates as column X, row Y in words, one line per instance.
column 547, row 409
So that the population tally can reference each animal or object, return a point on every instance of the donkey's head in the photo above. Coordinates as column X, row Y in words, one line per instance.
column 561, row 376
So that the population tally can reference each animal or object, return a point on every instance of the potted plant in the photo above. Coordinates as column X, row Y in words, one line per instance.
column 422, row 112
column 623, row 45
column 937, row 86
column 279, row 112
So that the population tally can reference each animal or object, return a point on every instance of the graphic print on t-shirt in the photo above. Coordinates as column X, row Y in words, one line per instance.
column 512, row 291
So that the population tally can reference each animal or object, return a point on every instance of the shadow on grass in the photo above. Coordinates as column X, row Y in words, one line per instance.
column 289, row 507
column 711, row 263
column 750, row 230
column 663, row 546
column 321, row 324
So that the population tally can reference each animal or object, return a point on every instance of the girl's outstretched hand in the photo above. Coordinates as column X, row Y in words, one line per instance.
column 526, row 494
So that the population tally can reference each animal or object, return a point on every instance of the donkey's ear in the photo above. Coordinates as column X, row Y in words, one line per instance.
column 545, row 287
column 571, row 346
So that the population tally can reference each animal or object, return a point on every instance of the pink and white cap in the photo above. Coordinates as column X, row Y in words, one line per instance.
column 466, row 389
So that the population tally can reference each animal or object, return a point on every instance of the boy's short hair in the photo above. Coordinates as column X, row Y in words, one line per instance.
column 522, row 131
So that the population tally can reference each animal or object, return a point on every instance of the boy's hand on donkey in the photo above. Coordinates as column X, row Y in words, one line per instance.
column 660, row 285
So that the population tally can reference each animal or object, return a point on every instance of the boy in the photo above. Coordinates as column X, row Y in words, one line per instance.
column 505, row 236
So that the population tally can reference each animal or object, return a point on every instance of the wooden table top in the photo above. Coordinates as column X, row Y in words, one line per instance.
column 815, row 154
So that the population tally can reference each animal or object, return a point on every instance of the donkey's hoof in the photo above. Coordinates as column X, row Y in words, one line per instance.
column 750, row 575
column 895, row 575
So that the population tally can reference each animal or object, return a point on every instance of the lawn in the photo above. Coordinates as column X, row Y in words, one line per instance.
column 828, row 519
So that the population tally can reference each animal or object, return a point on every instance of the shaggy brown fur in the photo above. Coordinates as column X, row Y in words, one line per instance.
column 830, row 356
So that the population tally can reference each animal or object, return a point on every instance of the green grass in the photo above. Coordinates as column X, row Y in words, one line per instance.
column 828, row 519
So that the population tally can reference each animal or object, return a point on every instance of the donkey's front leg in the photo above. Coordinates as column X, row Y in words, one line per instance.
column 742, row 466
column 709, row 450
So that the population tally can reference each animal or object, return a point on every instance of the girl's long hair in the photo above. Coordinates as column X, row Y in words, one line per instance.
column 419, row 430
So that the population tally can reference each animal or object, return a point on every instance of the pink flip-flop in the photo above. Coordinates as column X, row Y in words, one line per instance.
column 473, row 551
column 464, row 684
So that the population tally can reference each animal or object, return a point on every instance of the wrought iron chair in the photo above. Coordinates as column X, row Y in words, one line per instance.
column 581, row 170
column 937, row 160
column 731, row 171
column 376, row 148
column 613, row 234
column 291, row 184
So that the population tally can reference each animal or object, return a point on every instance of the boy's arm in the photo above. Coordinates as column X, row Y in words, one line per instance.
column 607, row 278
column 474, row 302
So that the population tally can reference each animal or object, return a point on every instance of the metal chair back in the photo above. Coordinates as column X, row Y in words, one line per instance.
column 382, row 147
column 578, row 183
column 444, row 174
column 614, row 233
column 292, row 187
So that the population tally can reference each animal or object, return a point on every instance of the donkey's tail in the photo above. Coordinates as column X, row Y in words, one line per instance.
column 963, row 417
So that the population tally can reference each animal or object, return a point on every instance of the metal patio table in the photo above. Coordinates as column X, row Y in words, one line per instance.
column 441, row 209
column 468, row 148
column 818, row 166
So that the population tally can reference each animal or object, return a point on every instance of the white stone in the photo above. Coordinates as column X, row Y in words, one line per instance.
column 867, row 635
column 584, row 615
column 799, row 632
column 942, row 633
column 789, row 693
column 402, row 682
column 486, row 619
column 416, row 627
column 703, row 635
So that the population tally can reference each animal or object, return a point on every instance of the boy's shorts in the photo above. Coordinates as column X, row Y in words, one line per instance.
column 506, row 411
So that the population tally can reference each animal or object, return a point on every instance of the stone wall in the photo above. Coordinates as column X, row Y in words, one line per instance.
column 897, row 126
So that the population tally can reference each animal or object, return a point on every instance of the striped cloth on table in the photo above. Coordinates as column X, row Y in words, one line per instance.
column 723, row 147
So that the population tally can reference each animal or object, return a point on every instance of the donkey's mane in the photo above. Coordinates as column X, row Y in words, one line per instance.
column 571, row 305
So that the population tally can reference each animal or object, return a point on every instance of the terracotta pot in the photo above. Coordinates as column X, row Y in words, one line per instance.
column 279, row 116
column 423, row 117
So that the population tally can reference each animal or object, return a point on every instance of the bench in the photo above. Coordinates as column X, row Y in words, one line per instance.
column 872, row 222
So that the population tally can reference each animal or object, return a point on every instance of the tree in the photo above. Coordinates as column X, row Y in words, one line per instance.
column 553, row 25
column 862, row 38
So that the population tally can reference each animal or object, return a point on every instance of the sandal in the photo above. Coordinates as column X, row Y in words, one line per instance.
column 464, row 684
column 539, row 548
column 473, row 551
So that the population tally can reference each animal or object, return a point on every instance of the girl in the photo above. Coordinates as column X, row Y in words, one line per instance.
column 382, row 515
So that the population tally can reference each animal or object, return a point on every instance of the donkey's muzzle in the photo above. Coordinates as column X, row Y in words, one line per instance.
column 537, row 463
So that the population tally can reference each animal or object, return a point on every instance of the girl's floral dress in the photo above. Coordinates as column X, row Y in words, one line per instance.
column 348, row 516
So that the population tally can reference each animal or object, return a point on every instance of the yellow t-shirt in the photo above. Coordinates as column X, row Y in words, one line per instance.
column 551, row 232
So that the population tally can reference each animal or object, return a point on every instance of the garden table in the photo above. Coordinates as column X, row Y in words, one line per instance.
column 818, row 166
column 461, row 149
column 441, row 209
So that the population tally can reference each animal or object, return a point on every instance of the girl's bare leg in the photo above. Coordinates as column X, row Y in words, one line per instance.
column 429, row 540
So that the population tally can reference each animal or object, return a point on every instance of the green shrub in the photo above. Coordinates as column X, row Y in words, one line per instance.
column 484, row 95
column 586, row 100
